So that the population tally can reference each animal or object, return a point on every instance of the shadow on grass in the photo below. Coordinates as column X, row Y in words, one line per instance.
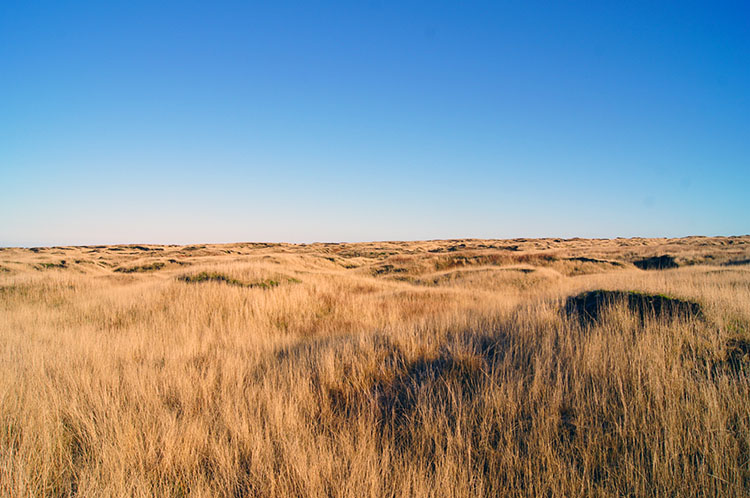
column 656, row 263
column 589, row 306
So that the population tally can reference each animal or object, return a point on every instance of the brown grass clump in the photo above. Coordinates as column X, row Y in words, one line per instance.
column 430, row 368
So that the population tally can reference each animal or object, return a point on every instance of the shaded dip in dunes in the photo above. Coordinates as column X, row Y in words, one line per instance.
column 589, row 306
column 656, row 263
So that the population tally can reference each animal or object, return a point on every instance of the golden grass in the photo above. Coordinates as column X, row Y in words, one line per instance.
column 434, row 368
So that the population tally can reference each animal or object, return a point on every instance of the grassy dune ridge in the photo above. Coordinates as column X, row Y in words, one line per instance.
column 431, row 368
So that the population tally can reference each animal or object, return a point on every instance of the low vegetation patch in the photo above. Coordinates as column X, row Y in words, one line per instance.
column 590, row 306
column 206, row 276
column 388, row 269
column 157, row 265
column 50, row 266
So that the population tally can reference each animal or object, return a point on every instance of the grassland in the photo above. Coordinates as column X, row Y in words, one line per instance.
column 436, row 368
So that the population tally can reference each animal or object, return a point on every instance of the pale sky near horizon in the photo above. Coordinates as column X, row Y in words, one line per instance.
column 187, row 122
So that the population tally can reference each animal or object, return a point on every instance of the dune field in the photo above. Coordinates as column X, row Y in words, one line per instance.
column 431, row 368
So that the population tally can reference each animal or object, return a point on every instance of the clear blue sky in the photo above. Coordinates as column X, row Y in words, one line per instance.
column 180, row 122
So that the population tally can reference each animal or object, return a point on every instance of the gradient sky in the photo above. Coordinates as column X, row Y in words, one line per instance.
column 181, row 122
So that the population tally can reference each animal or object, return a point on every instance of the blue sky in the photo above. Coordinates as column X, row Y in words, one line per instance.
column 216, row 122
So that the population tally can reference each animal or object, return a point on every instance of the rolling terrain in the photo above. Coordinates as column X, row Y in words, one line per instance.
column 556, row 367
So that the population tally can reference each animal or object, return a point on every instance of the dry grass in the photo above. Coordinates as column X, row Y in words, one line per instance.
column 437, row 368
